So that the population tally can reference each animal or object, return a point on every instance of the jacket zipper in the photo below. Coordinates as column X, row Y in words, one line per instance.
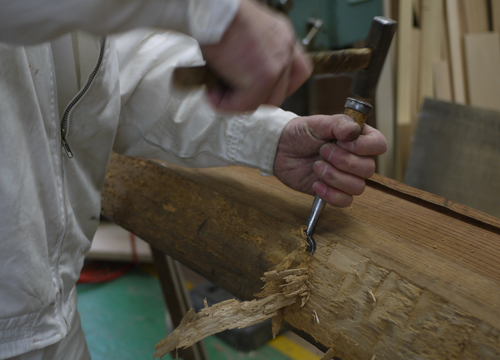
column 71, row 105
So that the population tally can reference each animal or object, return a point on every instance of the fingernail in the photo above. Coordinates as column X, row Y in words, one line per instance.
column 320, row 167
column 319, row 188
column 327, row 151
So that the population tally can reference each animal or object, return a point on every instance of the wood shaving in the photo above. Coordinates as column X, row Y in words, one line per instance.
column 329, row 355
column 282, row 289
column 315, row 316
column 372, row 295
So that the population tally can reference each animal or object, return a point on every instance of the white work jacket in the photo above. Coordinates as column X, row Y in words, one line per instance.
column 49, row 202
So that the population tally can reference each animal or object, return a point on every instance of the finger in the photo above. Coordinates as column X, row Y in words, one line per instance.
column 347, row 183
column 343, row 160
column 335, row 127
column 370, row 143
column 301, row 70
column 331, row 195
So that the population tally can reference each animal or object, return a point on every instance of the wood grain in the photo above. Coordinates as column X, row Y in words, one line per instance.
column 400, row 274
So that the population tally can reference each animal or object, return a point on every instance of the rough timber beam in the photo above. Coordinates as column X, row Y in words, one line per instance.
column 400, row 274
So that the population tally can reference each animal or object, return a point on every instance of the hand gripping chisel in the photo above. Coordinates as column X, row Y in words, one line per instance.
column 364, row 85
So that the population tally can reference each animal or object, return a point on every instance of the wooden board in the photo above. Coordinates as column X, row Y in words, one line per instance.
column 407, row 82
column 442, row 81
column 495, row 15
column 417, row 9
column 405, row 59
column 385, row 108
column 386, row 122
column 482, row 51
column 400, row 274
column 430, row 45
column 475, row 16
column 456, row 154
column 415, row 104
column 455, row 34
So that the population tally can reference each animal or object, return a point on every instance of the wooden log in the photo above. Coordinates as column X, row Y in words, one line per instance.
column 400, row 274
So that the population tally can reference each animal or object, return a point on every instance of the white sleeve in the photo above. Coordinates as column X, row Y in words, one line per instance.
column 159, row 121
column 29, row 22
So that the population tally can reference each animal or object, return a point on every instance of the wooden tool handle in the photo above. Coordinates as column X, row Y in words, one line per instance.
column 358, row 110
column 348, row 60
column 324, row 62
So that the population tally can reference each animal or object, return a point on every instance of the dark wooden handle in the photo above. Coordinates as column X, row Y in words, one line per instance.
column 324, row 62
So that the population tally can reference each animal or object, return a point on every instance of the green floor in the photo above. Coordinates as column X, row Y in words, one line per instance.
column 125, row 318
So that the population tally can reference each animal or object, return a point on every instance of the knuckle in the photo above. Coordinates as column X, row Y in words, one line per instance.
column 340, row 160
column 330, row 177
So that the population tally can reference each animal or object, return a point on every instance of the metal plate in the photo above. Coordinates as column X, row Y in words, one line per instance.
column 456, row 154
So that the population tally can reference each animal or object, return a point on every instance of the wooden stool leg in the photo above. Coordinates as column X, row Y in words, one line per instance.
column 177, row 298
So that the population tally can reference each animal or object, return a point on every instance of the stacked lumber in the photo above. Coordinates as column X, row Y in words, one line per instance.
column 447, row 50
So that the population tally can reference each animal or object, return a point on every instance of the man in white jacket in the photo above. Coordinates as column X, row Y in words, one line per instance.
column 69, row 97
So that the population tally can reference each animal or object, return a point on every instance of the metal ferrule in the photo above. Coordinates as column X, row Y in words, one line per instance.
column 359, row 106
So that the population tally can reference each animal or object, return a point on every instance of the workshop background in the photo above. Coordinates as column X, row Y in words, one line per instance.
column 436, row 103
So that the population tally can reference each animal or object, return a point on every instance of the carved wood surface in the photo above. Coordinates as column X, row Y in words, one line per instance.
column 400, row 274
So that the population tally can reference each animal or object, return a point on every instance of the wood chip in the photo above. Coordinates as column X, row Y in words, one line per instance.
column 329, row 355
column 282, row 289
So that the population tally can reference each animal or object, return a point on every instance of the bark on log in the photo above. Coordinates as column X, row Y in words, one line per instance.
column 400, row 274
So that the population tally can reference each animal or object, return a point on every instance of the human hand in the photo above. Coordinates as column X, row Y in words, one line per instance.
column 308, row 161
column 258, row 59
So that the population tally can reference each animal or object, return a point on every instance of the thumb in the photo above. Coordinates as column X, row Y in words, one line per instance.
column 335, row 127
